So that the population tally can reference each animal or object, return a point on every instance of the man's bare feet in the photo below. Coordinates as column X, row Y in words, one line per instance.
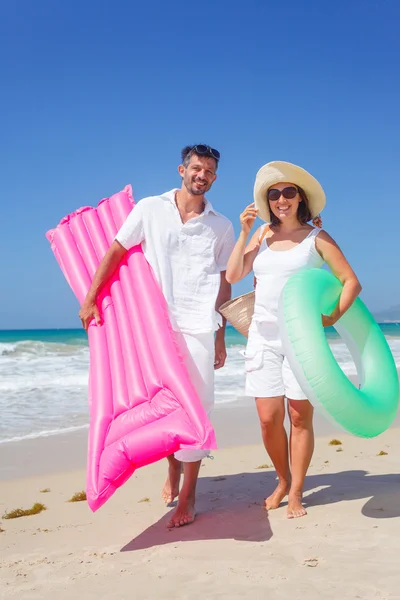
column 170, row 490
column 295, row 508
column 184, row 514
column 274, row 500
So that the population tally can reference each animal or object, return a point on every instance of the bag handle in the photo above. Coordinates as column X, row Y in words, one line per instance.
column 264, row 233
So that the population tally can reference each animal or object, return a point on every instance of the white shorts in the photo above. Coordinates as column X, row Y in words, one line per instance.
column 268, row 373
column 198, row 351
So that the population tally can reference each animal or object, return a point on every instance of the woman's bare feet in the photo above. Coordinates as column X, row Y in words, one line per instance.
column 170, row 490
column 295, row 507
column 274, row 500
column 184, row 514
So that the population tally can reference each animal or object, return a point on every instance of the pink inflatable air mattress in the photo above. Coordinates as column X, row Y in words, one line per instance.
column 142, row 404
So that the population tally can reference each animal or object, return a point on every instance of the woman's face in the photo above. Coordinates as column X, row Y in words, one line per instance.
column 284, row 205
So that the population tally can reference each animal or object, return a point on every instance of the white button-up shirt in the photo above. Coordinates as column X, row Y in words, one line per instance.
column 187, row 258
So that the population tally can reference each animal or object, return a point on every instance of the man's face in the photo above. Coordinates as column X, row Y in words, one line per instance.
column 199, row 175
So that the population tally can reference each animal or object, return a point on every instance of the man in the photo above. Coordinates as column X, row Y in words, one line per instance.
column 187, row 243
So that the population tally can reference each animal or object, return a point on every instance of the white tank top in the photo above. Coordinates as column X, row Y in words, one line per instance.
column 272, row 269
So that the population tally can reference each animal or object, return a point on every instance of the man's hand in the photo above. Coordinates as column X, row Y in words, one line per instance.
column 106, row 268
column 88, row 312
column 220, row 350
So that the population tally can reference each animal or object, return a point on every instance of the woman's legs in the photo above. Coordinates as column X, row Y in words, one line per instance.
column 271, row 412
column 271, row 371
column 301, row 449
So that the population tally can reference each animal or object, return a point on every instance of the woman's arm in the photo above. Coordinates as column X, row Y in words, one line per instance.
column 336, row 261
column 241, row 260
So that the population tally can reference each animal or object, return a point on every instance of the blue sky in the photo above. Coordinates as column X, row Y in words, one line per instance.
column 95, row 95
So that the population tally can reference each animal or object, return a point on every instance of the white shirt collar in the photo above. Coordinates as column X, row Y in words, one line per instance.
column 208, row 207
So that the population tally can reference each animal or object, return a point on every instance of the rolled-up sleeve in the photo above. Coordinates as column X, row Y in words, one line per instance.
column 132, row 231
column 225, row 248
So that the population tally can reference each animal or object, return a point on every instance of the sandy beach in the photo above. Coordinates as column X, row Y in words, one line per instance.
column 346, row 547
column 131, row 184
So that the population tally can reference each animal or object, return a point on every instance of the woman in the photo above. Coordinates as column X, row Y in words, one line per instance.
column 287, row 197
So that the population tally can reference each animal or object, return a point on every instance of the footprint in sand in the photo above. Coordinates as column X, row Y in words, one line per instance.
column 311, row 562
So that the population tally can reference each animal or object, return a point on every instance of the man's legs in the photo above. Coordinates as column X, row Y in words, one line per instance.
column 185, row 512
column 170, row 490
column 199, row 359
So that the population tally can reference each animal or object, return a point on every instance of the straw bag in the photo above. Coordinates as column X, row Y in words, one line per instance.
column 239, row 311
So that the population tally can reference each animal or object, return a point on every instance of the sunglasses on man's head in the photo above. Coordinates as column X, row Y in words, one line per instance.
column 203, row 150
column 288, row 192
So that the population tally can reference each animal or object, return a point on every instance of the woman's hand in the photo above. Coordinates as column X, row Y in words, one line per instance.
column 335, row 259
column 328, row 320
column 248, row 217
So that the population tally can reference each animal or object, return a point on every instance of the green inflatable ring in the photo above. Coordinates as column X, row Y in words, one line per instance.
column 367, row 411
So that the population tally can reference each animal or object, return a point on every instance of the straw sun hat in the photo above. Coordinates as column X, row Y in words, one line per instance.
column 239, row 311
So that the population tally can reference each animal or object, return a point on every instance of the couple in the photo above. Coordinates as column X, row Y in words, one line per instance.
column 192, row 251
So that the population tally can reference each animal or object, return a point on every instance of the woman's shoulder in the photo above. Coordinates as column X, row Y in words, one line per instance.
column 324, row 242
column 322, row 234
column 255, row 239
column 262, row 231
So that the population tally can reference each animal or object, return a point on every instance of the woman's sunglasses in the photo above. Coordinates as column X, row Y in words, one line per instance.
column 288, row 192
column 203, row 150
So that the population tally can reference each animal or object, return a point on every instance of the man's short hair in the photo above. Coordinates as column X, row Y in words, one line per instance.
column 188, row 152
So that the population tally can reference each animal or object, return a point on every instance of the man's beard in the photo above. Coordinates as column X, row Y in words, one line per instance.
column 189, row 185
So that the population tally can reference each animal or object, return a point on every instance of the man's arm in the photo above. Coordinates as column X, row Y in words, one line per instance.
column 105, row 270
column 224, row 294
column 131, row 234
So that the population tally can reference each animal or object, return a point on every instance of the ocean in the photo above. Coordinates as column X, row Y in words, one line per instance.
column 44, row 374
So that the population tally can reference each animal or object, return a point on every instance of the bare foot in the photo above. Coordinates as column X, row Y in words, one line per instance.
column 274, row 500
column 295, row 508
column 184, row 514
column 170, row 490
